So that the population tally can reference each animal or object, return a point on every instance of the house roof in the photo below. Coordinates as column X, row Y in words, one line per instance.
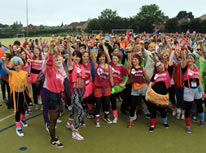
column 203, row 17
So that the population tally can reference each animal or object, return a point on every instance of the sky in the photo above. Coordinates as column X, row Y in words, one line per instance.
column 54, row 12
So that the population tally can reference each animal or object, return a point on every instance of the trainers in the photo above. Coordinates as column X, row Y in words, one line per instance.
column 69, row 108
column 29, row 111
column 83, row 124
column 135, row 115
column 183, row 116
column 70, row 126
column 77, row 136
column 201, row 123
column 36, row 107
column 115, row 120
column 166, row 125
column 178, row 116
column 174, row 112
column 30, row 104
column 147, row 116
column 98, row 124
column 24, row 123
column 188, row 130
column 47, row 127
column 61, row 114
column 26, row 113
column 59, row 121
column 129, row 125
column 151, row 129
column 39, row 101
column 19, row 132
column 57, row 143
column 194, row 118
column 107, row 120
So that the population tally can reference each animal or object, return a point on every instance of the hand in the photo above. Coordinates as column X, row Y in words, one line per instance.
column 129, row 48
column 103, row 42
column 122, row 84
column 4, row 59
column 204, row 95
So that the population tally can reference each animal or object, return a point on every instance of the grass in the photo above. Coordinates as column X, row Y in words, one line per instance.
column 115, row 138
column 8, row 41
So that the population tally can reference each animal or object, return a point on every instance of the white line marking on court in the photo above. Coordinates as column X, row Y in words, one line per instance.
column 7, row 117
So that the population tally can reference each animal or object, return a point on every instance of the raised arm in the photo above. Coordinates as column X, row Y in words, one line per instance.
column 129, row 51
column 5, row 63
column 171, row 58
column 69, row 50
column 106, row 51
column 110, row 76
column 184, row 63
column 93, row 58
column 146, row 76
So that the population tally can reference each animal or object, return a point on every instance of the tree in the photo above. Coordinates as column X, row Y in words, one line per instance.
column 93, row 25
column 171, row 25
column 62, row 24
column 184, row 14
column 195, row 25
column 109, row 20
column 148, row 16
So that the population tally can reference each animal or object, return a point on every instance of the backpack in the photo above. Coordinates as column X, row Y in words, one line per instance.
column 40, row 80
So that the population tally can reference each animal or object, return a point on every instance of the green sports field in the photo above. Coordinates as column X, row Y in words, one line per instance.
column 8, row 41
column 114, row 138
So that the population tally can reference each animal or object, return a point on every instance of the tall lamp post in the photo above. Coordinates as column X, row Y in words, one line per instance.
column 27, row 19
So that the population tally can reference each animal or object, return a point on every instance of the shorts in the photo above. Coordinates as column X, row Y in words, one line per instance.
column 100, row 92
column 53, row 100
column 139, row 92
column 191, row 94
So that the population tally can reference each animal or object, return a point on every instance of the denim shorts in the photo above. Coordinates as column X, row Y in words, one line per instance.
column 191, row 94
column 140, row 92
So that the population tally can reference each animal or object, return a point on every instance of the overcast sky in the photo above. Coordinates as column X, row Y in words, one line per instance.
column 54, row 12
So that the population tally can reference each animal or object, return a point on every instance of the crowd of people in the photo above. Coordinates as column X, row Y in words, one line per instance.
column 86, row 74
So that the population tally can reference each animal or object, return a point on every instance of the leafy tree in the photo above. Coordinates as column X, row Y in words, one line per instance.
column 148, row 16
column 195, row 25
column 184, row 14
column 171, row 25
column 109, row 20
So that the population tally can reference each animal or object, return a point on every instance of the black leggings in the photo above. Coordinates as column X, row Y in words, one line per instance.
column 153, row 110
column 136, row 101
column 104, row 101
column 53, row 116
column 21, row 104
column 36, row 92
column 172, row 94
column 125, row 95
column 188, row 107
column 5, row 84
column 113, row 98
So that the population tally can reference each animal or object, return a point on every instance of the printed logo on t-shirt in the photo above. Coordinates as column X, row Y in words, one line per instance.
column 136, row 73
column 79, row 70
column 160, row 75
column 102, row 74
column 60, row 77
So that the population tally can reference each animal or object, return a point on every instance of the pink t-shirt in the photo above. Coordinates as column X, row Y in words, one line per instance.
column 118, row 72
column 87, row 69
column 102, row 77
column 55, row 79
column 35, row 65
column 27, row 67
